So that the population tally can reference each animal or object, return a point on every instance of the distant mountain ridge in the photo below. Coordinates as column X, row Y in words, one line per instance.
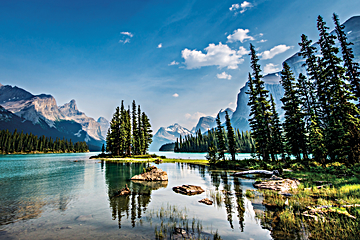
column 168, row 134
column 42, row 110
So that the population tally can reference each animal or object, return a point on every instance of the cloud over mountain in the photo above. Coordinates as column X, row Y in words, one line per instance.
column 269, row 54
column 220, row 55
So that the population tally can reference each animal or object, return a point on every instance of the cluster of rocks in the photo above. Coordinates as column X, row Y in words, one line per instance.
column 152, row 174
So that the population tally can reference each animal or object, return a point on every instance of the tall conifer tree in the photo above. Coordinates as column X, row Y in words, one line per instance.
column 221, row 146
column 230, row 136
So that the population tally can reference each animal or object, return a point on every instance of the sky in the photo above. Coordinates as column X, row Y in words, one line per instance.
column 179, row 59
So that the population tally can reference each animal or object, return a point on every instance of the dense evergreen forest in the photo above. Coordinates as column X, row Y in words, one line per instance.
column 129, row 132
column 321, row 115
column 28, row 143
column 201, row 142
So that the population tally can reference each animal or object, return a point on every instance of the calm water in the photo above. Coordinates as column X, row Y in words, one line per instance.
column 68, row 196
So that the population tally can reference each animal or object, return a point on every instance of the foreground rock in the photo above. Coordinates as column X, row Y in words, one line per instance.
column 152, row 174
column 283, row 185
column 188, row 189
column 206, row 201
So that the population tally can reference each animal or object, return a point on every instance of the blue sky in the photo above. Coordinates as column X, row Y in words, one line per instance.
column 178, row 59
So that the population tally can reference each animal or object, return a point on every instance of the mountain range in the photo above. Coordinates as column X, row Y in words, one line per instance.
column 240, row 116
column 40, row 115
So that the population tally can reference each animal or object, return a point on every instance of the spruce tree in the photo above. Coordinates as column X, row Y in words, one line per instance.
column 135, row 130
column 147, row 132
column 230, row 137
column 352, row 67
column 220, row 138
column 277, row 140
column 262, row 113
column 340, row 120
column 294, row 126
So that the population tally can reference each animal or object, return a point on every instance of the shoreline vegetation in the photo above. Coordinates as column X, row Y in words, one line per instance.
column 21, row 143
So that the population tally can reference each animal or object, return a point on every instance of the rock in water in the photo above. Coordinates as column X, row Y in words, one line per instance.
column 188, row 189
column 206, row 201
column 124, row 191
column 153, row 174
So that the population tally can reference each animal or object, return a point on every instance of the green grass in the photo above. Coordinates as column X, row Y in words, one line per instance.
column 148, row 158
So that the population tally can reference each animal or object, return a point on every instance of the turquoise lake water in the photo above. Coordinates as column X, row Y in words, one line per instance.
column 68, row 196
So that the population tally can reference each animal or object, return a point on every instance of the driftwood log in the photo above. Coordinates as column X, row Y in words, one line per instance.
column 265, row 172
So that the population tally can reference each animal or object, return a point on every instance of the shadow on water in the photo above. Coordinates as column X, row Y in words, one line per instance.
column 118, row 176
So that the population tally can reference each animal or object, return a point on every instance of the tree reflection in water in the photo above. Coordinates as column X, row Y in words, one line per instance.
column 117, row 176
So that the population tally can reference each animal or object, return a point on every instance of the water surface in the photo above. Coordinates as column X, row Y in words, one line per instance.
column 68, row 196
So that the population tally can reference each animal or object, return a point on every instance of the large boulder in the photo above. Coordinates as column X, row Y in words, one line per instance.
column 152, row 174
column 188, row 189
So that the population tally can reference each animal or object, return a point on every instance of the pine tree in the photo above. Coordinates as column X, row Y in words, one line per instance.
column 115, row 133
column 261, row 112
column 277, row 140
column 340, row 119
column 230, row 137
column 147, row 132
column 220, row 138
column 352, row 67
column 294, row 126
column 135, row 130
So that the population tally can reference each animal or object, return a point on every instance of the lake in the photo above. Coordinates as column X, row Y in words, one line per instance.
column 68, row 196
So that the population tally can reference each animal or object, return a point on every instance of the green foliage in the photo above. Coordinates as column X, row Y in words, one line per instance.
column 201, row 142
column 25, row 143
column 130, row 132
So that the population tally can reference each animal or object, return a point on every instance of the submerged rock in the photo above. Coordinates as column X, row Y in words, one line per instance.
column 206, row 201
column 83, row 218
column 152, row 174
column 124, row 191
column 188, row 189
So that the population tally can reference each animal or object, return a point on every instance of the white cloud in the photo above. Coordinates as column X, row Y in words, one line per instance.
column 271, row 68
column 173, row 63
column 175, row 95
column 126, row 39
column 160, row 45
column 243, row 51
column 128, row 34
column 224, row 75
column 269, row 54
column 234, row 7
column 216, row 55
column 262, row 41
column 239, row 35
column 244, row 6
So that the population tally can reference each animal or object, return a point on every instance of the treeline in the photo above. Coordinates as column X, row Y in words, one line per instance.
column 26, row 143
column 321, row 117
column 201, row 142
column 218, row 141
column 129, row 132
